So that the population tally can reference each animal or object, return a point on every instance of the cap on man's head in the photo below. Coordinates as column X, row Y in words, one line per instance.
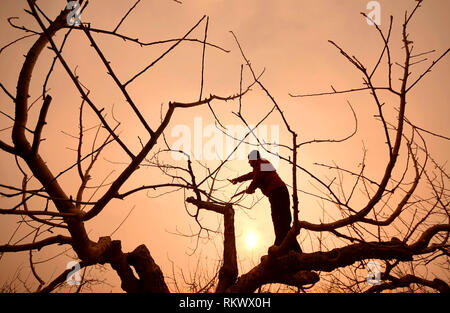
column 254, row 155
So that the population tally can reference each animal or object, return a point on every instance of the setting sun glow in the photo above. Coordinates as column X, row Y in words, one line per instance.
column 251, row 239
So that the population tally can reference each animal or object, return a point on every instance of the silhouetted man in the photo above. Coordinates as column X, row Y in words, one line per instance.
column 265, row 177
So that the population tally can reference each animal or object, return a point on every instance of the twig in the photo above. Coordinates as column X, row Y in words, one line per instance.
column 203, row 58
column 125, row 16
column 164, row 54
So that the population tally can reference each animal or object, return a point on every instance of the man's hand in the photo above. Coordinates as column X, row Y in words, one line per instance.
column 249, row 191
column 233, row 181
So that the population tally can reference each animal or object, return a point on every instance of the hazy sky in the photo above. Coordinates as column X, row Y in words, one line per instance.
column 289, row 39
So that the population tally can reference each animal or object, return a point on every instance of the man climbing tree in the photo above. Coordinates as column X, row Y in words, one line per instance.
column 265, row 177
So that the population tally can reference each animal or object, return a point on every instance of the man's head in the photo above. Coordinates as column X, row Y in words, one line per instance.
column 253, row 157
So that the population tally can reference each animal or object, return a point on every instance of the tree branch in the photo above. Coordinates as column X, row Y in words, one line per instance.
column 38, row 245
column 40, row 124
column 117, row 81
column 164, row 54
column 407, row 280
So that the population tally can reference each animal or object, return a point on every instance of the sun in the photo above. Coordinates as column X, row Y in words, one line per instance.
column 251, row 239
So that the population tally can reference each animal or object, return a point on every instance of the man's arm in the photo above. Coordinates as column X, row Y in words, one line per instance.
column 260, row 172
column 242, row 178
column 258, row 176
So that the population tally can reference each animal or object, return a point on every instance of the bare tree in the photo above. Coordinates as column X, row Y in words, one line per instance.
column 417, row 209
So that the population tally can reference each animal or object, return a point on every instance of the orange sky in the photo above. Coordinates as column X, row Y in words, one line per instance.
column 289, row 39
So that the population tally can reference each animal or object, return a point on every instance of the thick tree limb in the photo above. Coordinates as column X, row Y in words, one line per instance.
column 407, row 280
column 40, row 124
column 59, row 23
column 272, row 269
column 59, row 280
column 5, row 147
column 229, row 270
column 59, row 239
column 118, row 261
column 31, row 212
column 151, row 278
